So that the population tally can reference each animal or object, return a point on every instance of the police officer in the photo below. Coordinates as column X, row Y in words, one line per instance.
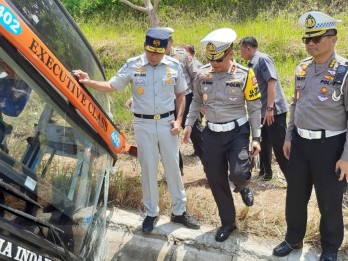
column 228, row 91
column 190, row 71
column 274, row 106
column 155, row 79
column 316, row 139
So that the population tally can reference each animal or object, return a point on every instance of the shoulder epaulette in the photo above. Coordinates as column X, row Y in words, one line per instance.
column 246, row 69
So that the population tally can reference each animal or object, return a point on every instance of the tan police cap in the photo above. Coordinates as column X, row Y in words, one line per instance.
column 217, row 42
column 317, row 23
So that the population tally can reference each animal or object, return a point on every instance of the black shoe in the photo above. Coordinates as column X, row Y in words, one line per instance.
column 185, row 219
column 224, row 232
column 149, row 223
column 284, row 248
column 328, row 256
column 247, row 197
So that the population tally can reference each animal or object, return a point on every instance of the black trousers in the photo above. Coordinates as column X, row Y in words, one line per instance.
column 223, row 151
column 196, row 134
column 273, row 136
column 312, row 163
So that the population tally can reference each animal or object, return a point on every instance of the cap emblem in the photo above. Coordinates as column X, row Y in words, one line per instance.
column 310, row 21
column 211, row 47
column 156, row 43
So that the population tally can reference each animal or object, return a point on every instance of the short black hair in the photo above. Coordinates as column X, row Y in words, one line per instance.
column 249, row 41
column 190, row 48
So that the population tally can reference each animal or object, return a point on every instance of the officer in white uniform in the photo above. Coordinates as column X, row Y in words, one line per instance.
column 229, row 93
column 316, row 137
column 155, row 79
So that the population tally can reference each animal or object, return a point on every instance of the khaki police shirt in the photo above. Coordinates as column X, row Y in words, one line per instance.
column 153, row 87
column 227, row 96
column 189, row 68
column 313, row 107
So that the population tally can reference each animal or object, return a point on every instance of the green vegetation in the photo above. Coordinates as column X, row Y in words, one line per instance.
column 117, row 32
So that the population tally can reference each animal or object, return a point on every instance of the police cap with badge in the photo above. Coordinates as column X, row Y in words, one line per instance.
column 317, row 24
column 218, row 43
column 156, row 40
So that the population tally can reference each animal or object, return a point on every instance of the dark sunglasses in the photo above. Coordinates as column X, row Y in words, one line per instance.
column 315, row 39
column 222, row 58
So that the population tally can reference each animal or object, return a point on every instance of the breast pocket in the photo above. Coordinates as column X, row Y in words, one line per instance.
column 168, row 84
column 232, row 95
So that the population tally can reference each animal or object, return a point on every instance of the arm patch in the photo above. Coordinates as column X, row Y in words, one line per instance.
column 251, row 90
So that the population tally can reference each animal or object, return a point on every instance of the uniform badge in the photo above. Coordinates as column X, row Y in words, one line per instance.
column 323, row 98
column 324, row 90
column 168, row 72
column 140, row 70
column 205, row 96
column 302, row 73
column 328, row 77
column 304, row 66
column 233, row 91
column 332, row 63
column 140, row 91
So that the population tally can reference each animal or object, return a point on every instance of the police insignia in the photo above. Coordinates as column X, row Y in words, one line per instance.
column 140, row 91
column 329, row 77
column 302, row 73
column 332, row 63
column 205, row 96
column 156, row 43
column 140, row 70
column 310, row 21
column 211, row 47
column 323, row 98
column 324, row 90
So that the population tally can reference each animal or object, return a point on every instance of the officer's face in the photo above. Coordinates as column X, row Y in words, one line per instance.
column 154, row 58
column 224, row 64
column 321, row 47
column 245, row 52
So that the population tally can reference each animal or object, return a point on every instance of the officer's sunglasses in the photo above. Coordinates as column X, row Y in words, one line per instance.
column 315, row 39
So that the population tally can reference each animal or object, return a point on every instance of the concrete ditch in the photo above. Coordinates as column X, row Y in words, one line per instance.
column 173, row 242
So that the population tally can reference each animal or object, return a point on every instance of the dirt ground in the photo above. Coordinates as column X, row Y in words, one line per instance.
column 265, row 219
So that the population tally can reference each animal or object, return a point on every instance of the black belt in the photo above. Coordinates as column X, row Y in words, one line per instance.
column 154, row 117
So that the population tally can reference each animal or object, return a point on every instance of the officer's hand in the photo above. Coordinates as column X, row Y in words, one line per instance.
column 255, row 148
column 286, row 149
column 82, row 76
column 342, row 169
column 128, row 104
column 269, row 118
column 187, row 134
column 175, row 128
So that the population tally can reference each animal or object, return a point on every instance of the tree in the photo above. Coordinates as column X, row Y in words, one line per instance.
column 149, row 8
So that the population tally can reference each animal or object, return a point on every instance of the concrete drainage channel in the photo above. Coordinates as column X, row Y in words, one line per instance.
column 173, row 242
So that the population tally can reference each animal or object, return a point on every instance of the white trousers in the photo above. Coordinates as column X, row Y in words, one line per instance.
column 154, row 141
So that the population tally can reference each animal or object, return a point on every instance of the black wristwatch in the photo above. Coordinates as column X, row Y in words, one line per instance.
column 258, row 139
column 269, row 108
